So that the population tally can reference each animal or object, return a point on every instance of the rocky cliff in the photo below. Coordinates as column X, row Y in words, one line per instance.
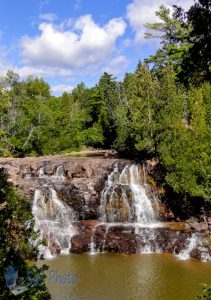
column 78, row 181
column 67, row 196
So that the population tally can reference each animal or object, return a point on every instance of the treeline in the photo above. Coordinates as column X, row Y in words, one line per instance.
column 161, row 110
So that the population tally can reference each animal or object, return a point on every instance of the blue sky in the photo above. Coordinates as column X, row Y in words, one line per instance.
column 69, row 41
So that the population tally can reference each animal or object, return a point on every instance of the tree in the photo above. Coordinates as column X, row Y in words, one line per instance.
column 16, row 230
column 173, row 38
column 142, row 110
column 24, row 113
column 183, row 144
column 107, row 89
column 124, row 141
column 196, row 65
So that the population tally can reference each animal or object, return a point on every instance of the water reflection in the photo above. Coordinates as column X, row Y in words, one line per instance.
column 123, row 277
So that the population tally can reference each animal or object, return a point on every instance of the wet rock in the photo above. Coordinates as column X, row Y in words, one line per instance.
column 54, row 248
column 82, row 184
column 193, row 223
column 80, row 243
column 128, row 240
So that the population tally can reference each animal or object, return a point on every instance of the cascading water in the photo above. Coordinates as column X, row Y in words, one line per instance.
column 126, row 210
column 125, row 202
column 194, row 242
column 53, row 220
column 191, row 244
column 143, row 206
column 41, row 173
column 59, row 174
column 92, row 243
column 124, row 198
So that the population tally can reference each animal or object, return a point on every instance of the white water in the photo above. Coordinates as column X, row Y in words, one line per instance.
column 124, row 202
column 143, row 206
column 192, row 243
column 53, row 220
column 59, row 174
column 92, row 245
column 41, row 173
column 116, row 203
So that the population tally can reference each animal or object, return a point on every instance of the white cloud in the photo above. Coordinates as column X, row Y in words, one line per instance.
column 117, row 65
column 83, row 44
column 42, row 72
column 140, row 12
column 49, row 17
column 127, row 42
column 60, row 88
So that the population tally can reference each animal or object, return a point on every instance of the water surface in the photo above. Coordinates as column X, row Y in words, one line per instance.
column 128, row 277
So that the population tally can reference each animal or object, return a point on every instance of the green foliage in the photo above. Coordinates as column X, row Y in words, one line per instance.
column 142, row 110
column 206, row 293
column 170, row 31
column 186, row 42
column 15, row 232
column 162, row 112
column 196, row 65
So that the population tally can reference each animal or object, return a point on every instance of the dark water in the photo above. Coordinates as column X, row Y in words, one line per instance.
column 126, row 277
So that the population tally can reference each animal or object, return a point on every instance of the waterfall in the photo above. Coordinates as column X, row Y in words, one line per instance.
column 105, row 236
column 126, row 211
column 148, row 241
column 41, row 173
column 53, row 220
column 194, row 242
column 124, row 198
column 143, row 206
column 92, row 246
column 59, row 174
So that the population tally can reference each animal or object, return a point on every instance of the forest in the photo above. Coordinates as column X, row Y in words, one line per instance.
column 161, row 110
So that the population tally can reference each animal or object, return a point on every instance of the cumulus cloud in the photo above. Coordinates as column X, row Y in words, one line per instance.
column 42, row 72
column 61, row 88
column 117, row 65
column 83, row 44
column 140, row 12
column 49, row 17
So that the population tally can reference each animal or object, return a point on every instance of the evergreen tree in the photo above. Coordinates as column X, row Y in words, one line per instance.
column 196, row 66
column 142, row 110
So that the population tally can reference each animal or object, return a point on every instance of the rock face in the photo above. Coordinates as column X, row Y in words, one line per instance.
column 69, row 193
column 128, row 239
column 78, row 182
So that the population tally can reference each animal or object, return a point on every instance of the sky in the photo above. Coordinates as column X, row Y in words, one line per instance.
column 71, row 41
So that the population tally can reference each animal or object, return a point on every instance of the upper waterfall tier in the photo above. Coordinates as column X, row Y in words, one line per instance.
column 125, row 199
